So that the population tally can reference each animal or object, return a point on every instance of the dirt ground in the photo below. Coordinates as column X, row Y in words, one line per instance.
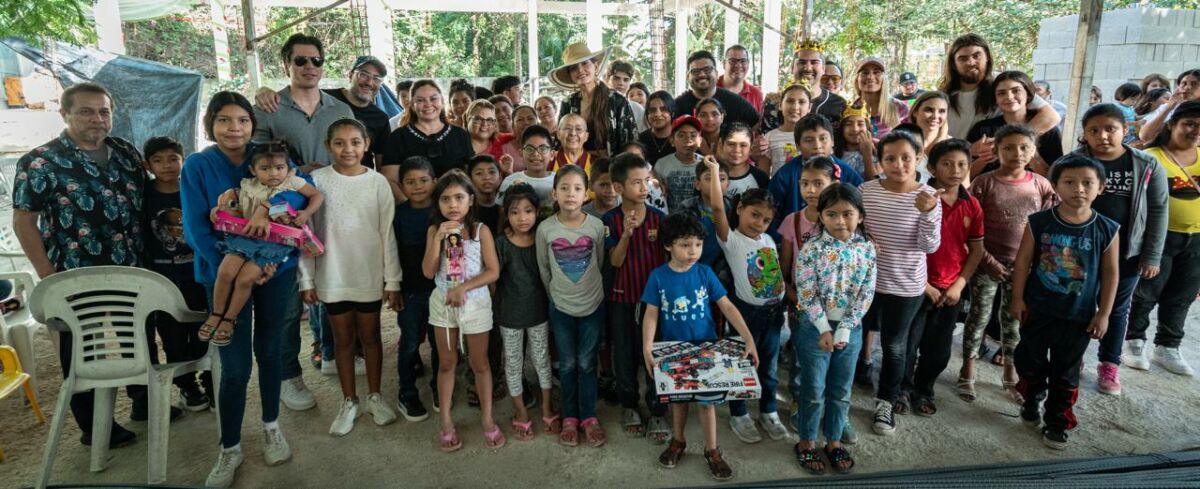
column 1155, row 414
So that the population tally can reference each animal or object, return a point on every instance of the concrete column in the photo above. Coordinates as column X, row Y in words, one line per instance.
column 379, row 33
column 681, row 49
column 595, row 24
column 772, row 15
column 253, row 68
column 732, row 19
column 110, row 36
column 531, row 27
column 221, row 40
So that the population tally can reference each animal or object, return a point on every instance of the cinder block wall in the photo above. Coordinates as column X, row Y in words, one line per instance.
column 1133, row 43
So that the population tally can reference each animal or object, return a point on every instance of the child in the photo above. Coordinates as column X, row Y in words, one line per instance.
column 699, row 206
column 734, row 150
column 1126, row 96
column 570, row 246
column 835, row 284
column 632, row 244
column 853, row 143
column 1064, row 285
column 1135, row 196
column 360, row 266
column 814, row 137
column 167, row 253
column 678, row 170
column 246, row 257
column 758, row 295
column 681, row 281
column 903, row 218
column 522, row 307
column 711, row 115
column 605, row 198
column 537, row 148
column 798, row 227
column 411, row 222
column 950, row 270
column 1007, row 196
column 460, row 256
column 780, row 143
column 656, row 198
column 485, row 176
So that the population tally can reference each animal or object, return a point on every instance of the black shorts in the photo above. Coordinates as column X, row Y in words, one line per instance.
column 336, row 308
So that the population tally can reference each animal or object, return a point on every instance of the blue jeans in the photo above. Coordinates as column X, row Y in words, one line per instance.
column 259, row 335
column 764, row 323
column 322, row 330
column 1118, row 321
column 413, row 319
column 825, row 382
column 290, row 366
column 577, row 340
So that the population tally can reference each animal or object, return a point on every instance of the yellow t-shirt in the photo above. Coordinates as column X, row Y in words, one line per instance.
column 1183, row 206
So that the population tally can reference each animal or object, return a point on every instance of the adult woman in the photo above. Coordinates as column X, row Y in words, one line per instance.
column 1151, row 101
column 638, row 93
column 547, row 112
column 929, row 114
column 609, row 117
column 657, row 136
column 1155, row 81
column 481, row 125
column 886, row 112
column 712, row 116
column 273, row 304
column 461, row 95
column 1095, row 96
column 523, row 117
column 1187, row 87
column 1014, row 92
column 504, row 112
column 425, row 131
column 1178, row 280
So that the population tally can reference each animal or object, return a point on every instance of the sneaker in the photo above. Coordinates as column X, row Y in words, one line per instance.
column 849, row 434
column 225, row 469
column 1170, row 359
column 194, row 399
column 295, row 395
column 885, row 418
column 1031, row 415
column 344, row 422
column 773, row 426
column 119, row 437
column 745, row 429
column 413, row 410
column 1053, row 438
column 380, row 412
column 275, row 447
column 1135, row 355
column 1108, row 381
column 360, row 366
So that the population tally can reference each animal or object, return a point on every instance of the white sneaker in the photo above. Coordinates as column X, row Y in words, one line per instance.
column 295, row 394
column 379, row 410
column 225, row 469
column 745, row 429
column 773, row 426
column 360, row 366
column 1135, row 355
column 328, row 367
column 275, row 447
column 344, row 422
column 1172, row 360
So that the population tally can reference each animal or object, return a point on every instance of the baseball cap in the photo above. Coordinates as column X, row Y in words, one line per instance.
column 686, row 120
column 907, row 77
column 370, row 60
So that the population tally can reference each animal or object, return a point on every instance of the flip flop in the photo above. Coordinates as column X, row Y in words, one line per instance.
column 594, row 432
column 809, row 459
column 553, row 425
column 523, row 431
column 569, row 436
column 449, row 442
column 494, row 438
column 838, row 455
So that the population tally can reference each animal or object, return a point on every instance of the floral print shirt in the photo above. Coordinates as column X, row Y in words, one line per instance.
column 835, row 281
column 622, row 127
column 89, row 215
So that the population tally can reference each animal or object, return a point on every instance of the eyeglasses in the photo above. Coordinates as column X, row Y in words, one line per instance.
column 707, row 70
column 481, row 120
column 738, row 61
column 364, row 76
column 530, row 149
column 301, row 61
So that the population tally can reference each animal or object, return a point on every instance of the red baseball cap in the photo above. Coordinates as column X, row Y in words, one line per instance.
column 688, row 120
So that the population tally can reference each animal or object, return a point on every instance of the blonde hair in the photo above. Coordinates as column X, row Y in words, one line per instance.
column 476, row 106
column 886, row 110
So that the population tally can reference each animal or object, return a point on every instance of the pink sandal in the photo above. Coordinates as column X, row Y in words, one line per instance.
column 494, row 438
column 594, row 432
column 523, row 430
column 553, row 425
column 449, row 442
column 569, row 436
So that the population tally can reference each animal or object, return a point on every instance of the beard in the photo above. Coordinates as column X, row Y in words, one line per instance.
column 971, row 77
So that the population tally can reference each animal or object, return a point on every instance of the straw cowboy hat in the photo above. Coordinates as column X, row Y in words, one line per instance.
column 574, row 54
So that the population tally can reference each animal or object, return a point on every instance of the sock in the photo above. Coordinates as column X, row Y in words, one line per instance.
column 271, row 425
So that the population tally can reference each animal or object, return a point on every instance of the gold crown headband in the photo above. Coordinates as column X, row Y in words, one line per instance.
column 810, row 45
column 856, row 110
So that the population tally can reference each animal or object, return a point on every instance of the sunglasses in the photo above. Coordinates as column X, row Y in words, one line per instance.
column 317, row 61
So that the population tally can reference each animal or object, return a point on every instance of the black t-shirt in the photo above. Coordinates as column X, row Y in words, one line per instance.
column 830, row 105
column 1049, row 145
column 162, row 224
column 489, row 216
column 737, row 109
column 655, row 148
column 1115, row 202
column 411, row 226
column 447, row 149
column 377, row 122
column 909, row 99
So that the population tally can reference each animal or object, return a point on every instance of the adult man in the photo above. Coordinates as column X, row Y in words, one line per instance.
column 809, row 67
column 967, row 80
column 702, row 78
column 302, row 118
column 909, row 89
column 832, row 78
column 737, row 68
column 508, row 86
column 1041, row 88
column 366, row 78
column 620, row 76
column 77, row 202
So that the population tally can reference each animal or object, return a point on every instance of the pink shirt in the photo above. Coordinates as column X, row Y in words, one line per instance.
column 787, row 230
column 1006, row 206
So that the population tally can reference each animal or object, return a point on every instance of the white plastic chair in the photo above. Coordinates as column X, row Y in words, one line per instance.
column 106, row 308
column 18, row 328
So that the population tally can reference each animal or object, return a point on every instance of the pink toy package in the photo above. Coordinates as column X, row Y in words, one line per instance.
column 302, row 237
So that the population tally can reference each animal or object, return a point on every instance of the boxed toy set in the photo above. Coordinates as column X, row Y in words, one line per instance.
column 705, row 371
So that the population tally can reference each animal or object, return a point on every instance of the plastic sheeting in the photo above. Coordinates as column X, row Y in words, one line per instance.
column 151, row 99
column 135, row 10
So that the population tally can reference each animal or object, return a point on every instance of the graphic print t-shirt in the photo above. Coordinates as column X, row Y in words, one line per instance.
column 757, row 276
column 1114, row 203
column 1065, row 282
column 166, row 251
column 685, row 302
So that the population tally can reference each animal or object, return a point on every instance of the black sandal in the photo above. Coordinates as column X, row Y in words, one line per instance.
column 924, row 406
column 901, row 406
column 217, row 339
column 809, row 459
column 205, row 333
column 837, row 456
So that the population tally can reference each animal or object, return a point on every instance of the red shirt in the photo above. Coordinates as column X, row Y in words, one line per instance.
column 961, row 222
column 497, row 147
column 749, row 92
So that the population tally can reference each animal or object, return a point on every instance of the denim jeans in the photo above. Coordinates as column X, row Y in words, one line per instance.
column 262, row 325
column 577, row 340
column 764, row 323
column 825, row 381
column 1048, row 360
column 1118, row 321
column 290, row 366
column 895, row 316
column 322, row 330
column 413, row 320
column 1173, row 290
column 929, row 347
column 627, row 358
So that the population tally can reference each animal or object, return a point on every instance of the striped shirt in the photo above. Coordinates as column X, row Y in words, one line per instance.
column 903, row 235
column 644, row 254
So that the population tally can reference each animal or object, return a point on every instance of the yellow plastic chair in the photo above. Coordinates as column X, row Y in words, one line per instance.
column 13, row 378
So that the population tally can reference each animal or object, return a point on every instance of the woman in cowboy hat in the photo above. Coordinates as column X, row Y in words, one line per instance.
column 610, row 120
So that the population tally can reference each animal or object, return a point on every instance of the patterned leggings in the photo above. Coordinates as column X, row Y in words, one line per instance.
column 514, row 356
column 983, row 296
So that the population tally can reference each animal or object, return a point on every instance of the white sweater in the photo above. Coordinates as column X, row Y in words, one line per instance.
column 355, row 224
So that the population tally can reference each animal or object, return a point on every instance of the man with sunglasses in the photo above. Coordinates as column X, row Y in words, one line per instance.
column 702, row 80
column 737, row 70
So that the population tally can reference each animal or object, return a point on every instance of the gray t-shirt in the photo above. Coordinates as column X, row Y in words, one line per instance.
column 570, row 260
column 520, row 296
column 679, row 177
column 306, row 134
column 99, row 156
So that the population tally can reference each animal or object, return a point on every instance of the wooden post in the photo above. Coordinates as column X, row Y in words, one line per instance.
column 531, row 26
column 806, row 15
column 1087, row 36
column 253, row 70
column 658, row 44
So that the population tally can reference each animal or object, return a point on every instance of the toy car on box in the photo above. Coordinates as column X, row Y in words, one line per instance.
column 706, row 371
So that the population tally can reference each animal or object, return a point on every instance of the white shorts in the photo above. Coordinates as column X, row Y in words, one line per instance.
column 474, row 317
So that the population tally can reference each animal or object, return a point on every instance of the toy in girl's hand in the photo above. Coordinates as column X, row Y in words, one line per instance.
column 455, row 260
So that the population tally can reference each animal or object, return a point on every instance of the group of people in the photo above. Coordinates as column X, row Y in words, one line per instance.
column 574, row 234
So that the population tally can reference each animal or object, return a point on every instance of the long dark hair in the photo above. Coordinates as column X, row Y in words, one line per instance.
column 218, row 101
column 1026, row 84
column 754, row 196
column 1144, row 102
column 514, row 194
column 452, row 178
column 598, row 115
column 1186, row 110
column 1100, row 110
column 985, row 98
column 408, row 118
column 842, row 192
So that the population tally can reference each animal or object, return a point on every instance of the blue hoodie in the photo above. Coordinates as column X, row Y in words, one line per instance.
column 785, row 187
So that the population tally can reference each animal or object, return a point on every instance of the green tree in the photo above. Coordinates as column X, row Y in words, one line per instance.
column 60, row 20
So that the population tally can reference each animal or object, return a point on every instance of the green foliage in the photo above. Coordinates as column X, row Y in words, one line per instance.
column 179, row 40
column 60, row 20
